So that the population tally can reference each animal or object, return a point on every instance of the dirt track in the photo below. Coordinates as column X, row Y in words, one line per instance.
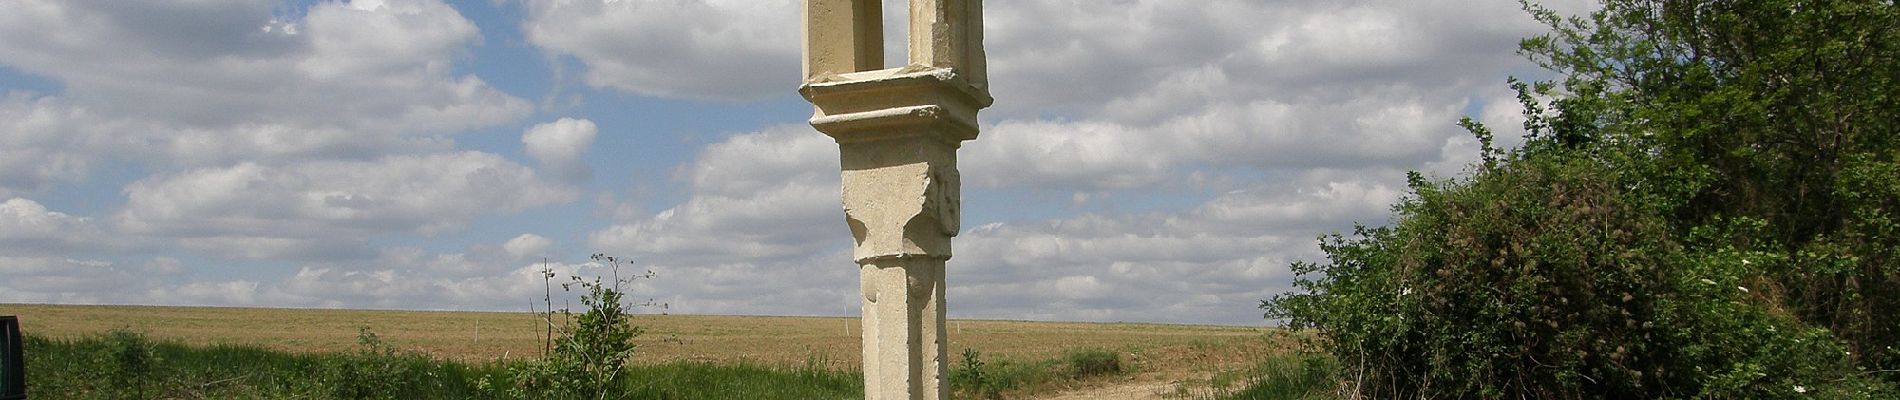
column 1138, row 390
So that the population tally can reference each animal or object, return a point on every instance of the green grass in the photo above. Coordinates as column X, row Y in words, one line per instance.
column 125, row 365
column 976, row 376
column 1292, row 376
column 1086, row 363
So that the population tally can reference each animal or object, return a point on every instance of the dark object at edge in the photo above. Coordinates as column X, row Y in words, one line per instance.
column 12, row 360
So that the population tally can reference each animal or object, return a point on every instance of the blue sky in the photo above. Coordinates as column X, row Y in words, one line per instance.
column 1146, row 160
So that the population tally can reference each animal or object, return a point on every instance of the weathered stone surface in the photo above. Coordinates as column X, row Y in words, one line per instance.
column 949, row 34
column 898, row 131
column 843, row 36
column 904, row 356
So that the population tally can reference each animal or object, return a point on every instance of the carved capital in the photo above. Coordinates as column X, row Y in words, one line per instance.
column 901, row 197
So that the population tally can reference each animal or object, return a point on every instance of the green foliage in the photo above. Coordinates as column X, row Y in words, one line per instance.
column 1782, row 109
column 1547, row 277
column 1705, row 207
column 976, row 378
column 1292, row 376
column 970, row 379
column 377, row 370
column 129, row 362
column 589, row 359
column 1086, row 363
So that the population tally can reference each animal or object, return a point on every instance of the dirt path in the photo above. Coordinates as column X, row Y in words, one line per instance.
column 1137, row 390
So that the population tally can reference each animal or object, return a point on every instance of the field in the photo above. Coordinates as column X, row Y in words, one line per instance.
column 1159, row 355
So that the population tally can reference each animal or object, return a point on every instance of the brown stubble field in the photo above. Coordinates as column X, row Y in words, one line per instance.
column 1157, row 351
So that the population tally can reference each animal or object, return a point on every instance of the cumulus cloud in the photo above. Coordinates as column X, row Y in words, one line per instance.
column 303, row 209
column 479, row 278
column 527, row 246
column 36, row 150
column 1149, row 91
column 220, row 81
column 26, row 226
column 559, row 145
column 1207, row 263
column 80, row 280
column 763, row 231
column 1262, row 125
column 696, row 49
column 388, row 283
column 759, row 195
column 1076, row 57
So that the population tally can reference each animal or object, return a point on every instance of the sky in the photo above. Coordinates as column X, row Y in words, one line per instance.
column 1145, row 160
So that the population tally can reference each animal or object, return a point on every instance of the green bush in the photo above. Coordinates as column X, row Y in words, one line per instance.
column 377, row 371
column 1705, row 206
column 590, row 357
column 974, row 377
column 971, row 377
column 1543, row 278
column 128, row 362
column 1086, row 363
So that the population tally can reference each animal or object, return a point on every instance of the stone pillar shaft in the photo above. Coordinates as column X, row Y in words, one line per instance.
column 903, row 328
column 898, row 131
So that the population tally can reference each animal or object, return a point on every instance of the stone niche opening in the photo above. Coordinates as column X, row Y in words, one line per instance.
column 896, row 33
column 853, row 36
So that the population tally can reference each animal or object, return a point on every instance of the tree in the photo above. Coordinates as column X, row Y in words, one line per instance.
column 1708, row 204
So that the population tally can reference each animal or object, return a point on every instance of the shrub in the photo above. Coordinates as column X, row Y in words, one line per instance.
column 589, row 358
column 1542, row 277
column 128, row 361
column 976, row 378
column 376, row 370
column 1086, row 363
column 971, row 377
column 1704, row 207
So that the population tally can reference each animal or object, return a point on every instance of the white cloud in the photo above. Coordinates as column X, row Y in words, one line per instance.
column 1073, row 58
column 386, row 283
column 762, row 233
column 224, row 293
column 29, row 228
column 78, row 280
column 1208, row 263
column 406, row 278
column 559, row 145
column 43, row 142
column 259, row 210
column 1374, row 132
column 1148, row 92
column 749, row 163
column 756, row 196
column 220, row 81
column 695, row 49
column 25, row 219
column 527, row 246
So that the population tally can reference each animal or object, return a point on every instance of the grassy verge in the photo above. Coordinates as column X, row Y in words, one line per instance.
column 1285, row 376
column 974, row 377
column 124, row 365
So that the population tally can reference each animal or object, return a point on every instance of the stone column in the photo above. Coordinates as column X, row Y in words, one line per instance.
column 898, row 131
